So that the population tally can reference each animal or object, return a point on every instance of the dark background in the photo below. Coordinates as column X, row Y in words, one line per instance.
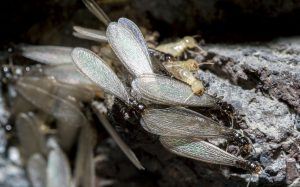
column 50, row 21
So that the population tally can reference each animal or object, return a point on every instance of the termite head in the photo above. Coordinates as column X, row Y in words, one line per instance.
column 190, row 42
column 168, row 58
column 243, row 142
column 253, row 167
column 197, row 87
column 246, row 147
column 192, row 65
column 139, row 107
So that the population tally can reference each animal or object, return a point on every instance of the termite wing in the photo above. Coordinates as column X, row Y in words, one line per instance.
column 95, row 68
column 29, row 133
column 51, row 55
column 84, row 173
column 58, row 167
column 36, row 170
column 206, row 152
column 89, row 34
column 51, row 172
column 182, row 122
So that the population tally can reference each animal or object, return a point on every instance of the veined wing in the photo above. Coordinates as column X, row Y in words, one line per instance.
column 199, row 150
column 181, row 122
column 51, row 55
column 165, row 90
column 101, row 74
column 89, row 34
column 128, row 49
column 137, row 33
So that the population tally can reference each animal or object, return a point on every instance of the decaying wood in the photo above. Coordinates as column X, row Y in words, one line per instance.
column 261, row 83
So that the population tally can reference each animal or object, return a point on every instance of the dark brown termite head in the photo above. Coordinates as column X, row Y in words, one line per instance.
column 246, row 149
column 121, row 111
column 243, row 142
column 253, row 167
column 138, row 107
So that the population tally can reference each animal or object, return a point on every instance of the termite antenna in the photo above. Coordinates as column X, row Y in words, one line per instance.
column 188, row 97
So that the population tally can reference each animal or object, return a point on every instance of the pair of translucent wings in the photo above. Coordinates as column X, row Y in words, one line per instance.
column 129, row 45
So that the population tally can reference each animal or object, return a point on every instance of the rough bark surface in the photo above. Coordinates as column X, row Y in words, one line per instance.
column 261, row 83
column 273, row 68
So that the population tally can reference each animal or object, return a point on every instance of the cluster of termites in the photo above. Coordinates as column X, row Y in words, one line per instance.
column 72, row 76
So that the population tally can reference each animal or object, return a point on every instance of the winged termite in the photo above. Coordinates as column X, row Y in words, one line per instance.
column 58, row 169
column 182, row 122
column 89, row 34
column 69, row 118
column 29, row 133
column 84, row 174
column 206, row 152
column 50, row 55
column 36, row 169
